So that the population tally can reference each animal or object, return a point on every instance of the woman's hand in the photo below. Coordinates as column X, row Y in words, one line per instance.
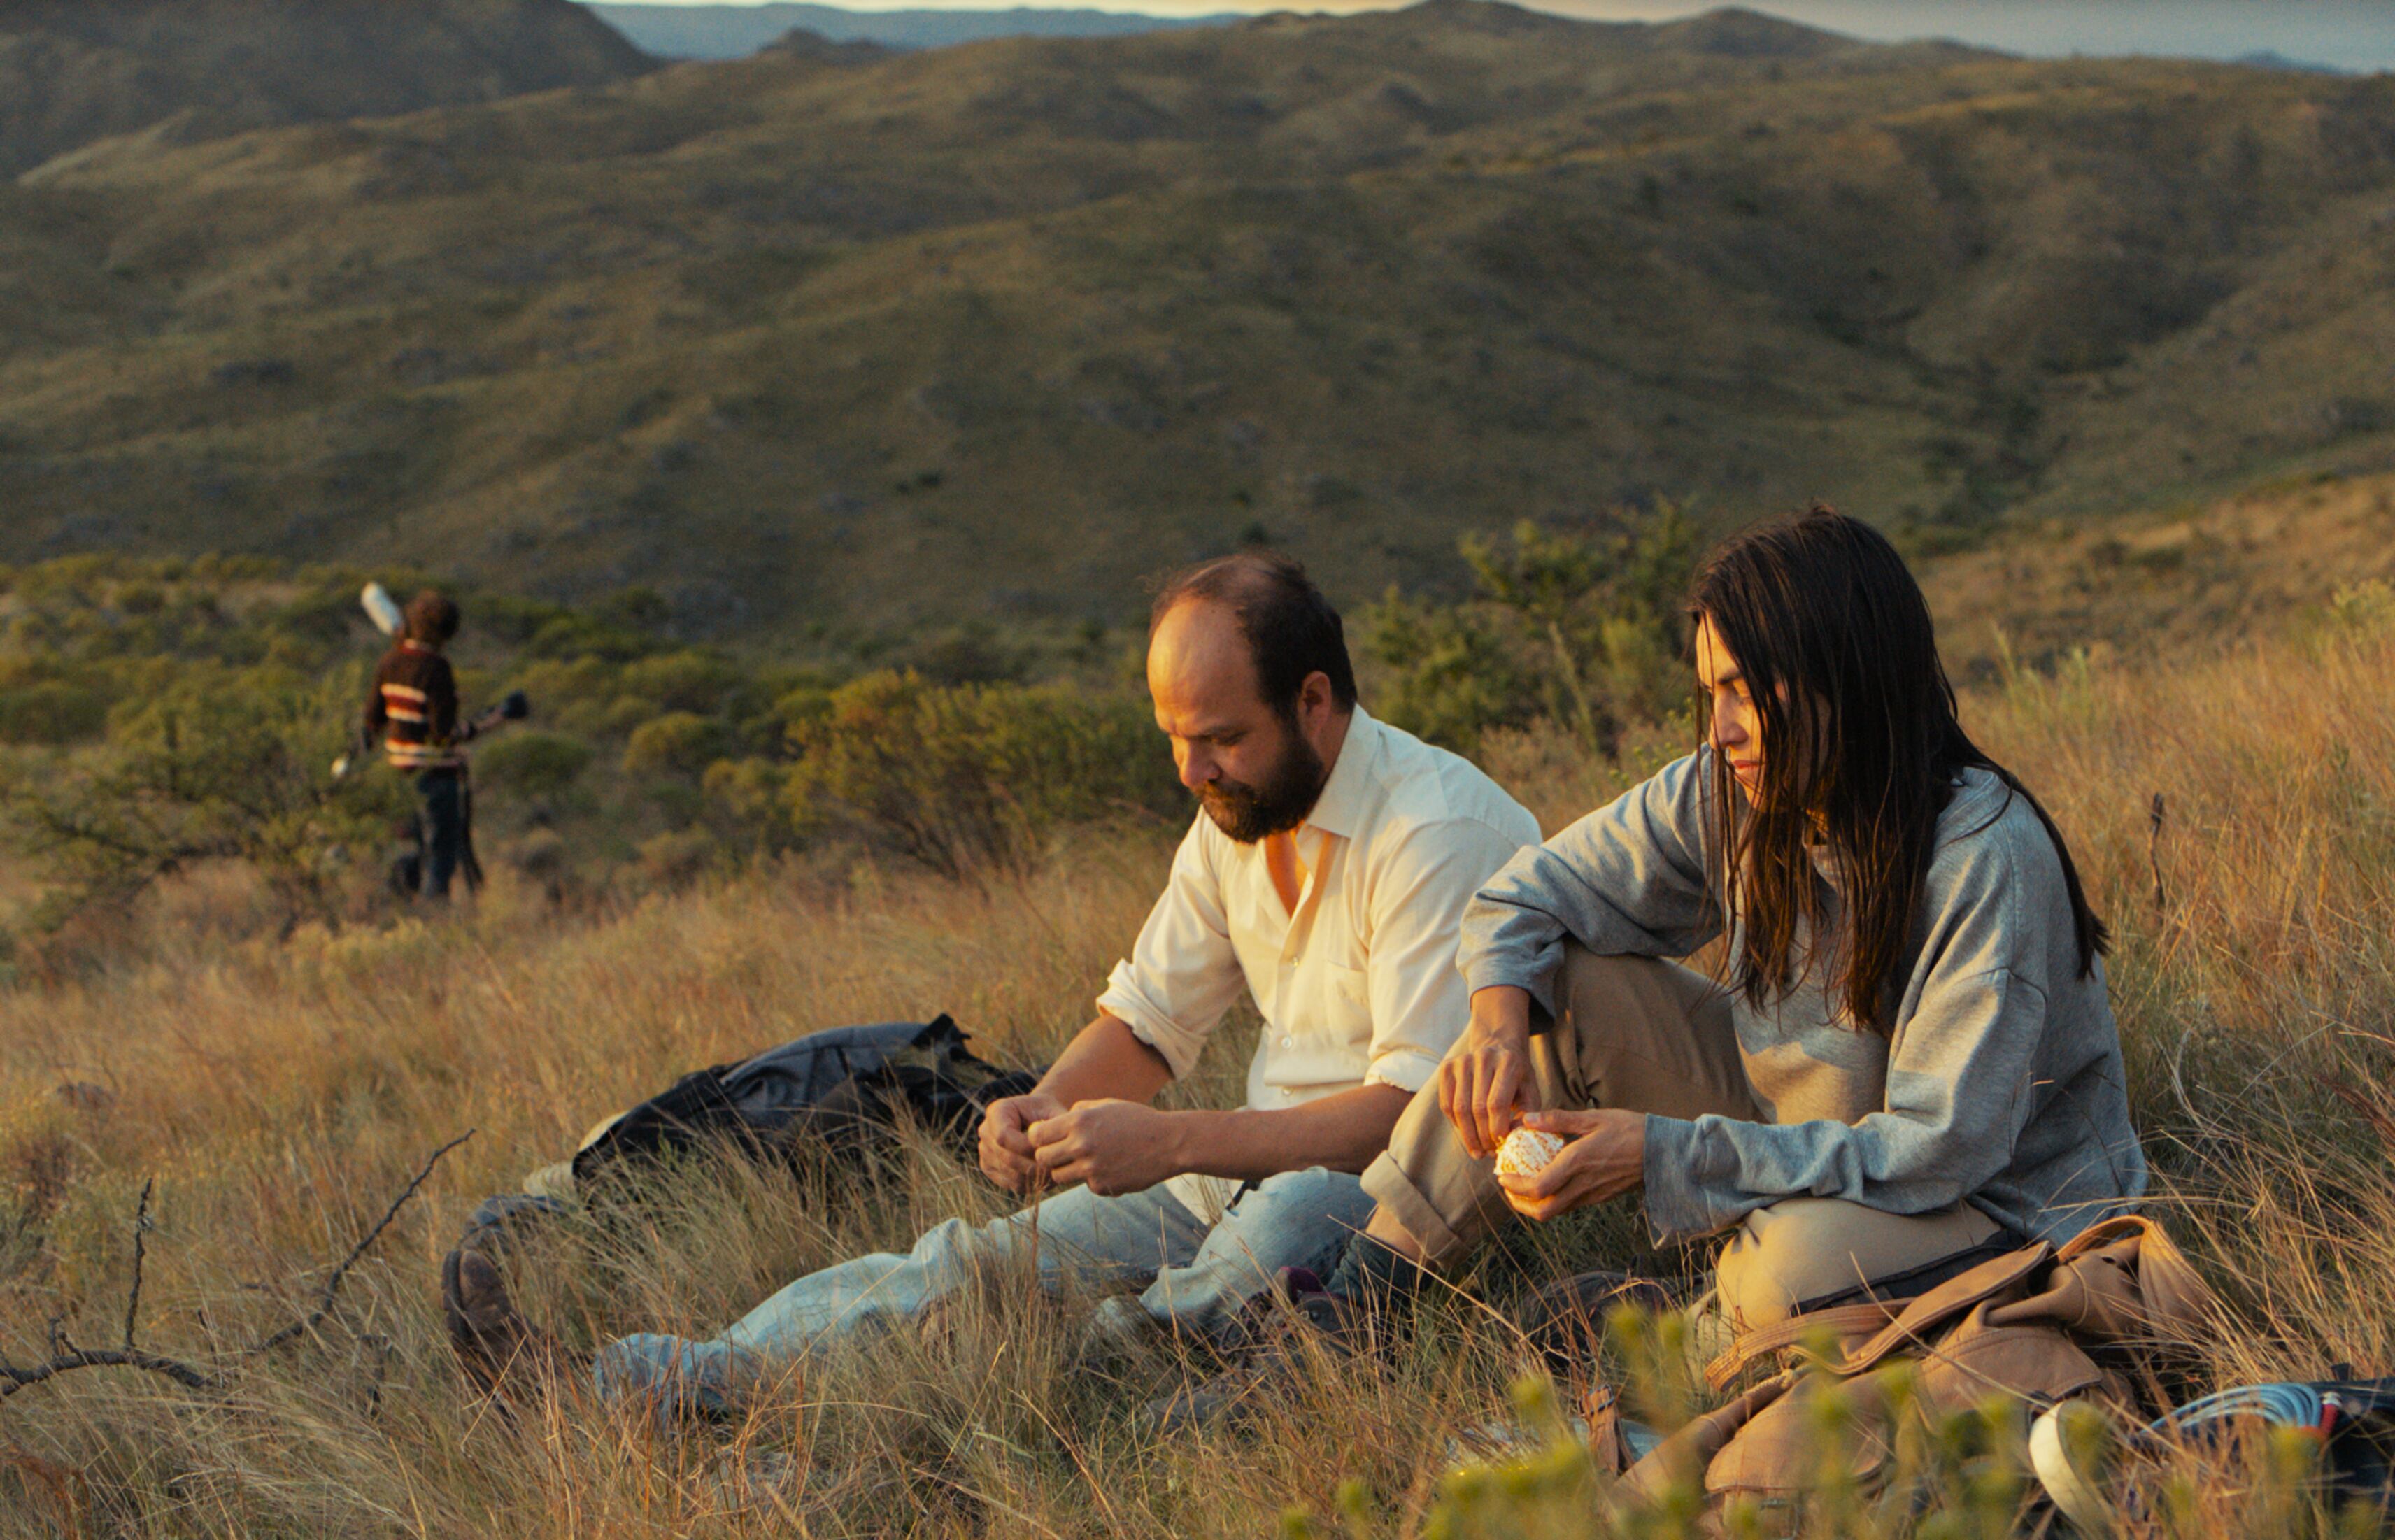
column 1606, row 1158
column 1481, row 1080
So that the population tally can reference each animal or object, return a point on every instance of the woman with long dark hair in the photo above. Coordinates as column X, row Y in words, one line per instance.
column 1897, row 1058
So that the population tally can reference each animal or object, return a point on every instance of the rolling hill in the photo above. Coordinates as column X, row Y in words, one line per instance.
column 990, row 331
column 75, row 71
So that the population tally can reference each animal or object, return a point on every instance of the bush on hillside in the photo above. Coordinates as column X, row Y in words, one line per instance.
column 534, row 763
column 965, row 777
column 220, row 765
column 1581, row 627
column 2365, row 608
column 51, row 711
column 572, row 636
column 1452, row 678
column 688, row 681
column 511, row 619
column 679, row 742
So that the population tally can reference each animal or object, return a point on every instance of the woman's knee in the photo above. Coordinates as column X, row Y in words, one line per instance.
column 1800, row 1252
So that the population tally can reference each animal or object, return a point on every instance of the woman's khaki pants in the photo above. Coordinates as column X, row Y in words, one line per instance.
column 1650, row 1037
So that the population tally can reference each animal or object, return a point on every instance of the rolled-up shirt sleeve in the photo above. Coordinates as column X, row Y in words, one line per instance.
column 1627, row 880
column 1420, row 1005
column 1183, row 974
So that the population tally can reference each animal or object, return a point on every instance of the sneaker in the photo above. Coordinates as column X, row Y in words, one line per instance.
column 1119, row 1331
column 1564, row 1321
column 497, row 1346
column 1275, row 1338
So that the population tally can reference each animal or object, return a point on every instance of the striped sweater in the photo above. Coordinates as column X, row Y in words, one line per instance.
column 413, row 708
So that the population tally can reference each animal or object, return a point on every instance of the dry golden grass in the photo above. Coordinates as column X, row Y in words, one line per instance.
column 282, row 1096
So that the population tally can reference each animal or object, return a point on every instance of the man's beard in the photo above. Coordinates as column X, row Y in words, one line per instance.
column 1279, row 803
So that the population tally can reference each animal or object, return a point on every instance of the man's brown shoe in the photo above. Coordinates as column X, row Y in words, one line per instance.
column 499, row 1348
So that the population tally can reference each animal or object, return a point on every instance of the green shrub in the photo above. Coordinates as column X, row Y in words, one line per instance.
column 688, row 681
column 676, row 858
column 1581, row 627
column 626, row 714
column 223, row 764
column 51, row 711
column 1450, row 676
column 316, row 622
column 575, row 693
column 966, row 776
column 140, row 599
column 746, row 796
column 505, row 618
column 2366, row 607
column 578, row 636
column 534, row 763
column 679, row 742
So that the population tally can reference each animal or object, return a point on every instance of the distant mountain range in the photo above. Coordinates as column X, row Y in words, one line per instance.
column 735, row 32
column 2348, row 35
column 75, row 71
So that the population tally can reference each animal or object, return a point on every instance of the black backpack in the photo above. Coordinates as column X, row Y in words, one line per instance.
column 840, row 1090
column 837, row 1089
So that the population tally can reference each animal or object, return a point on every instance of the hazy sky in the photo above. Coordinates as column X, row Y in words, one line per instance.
column 2352, row 34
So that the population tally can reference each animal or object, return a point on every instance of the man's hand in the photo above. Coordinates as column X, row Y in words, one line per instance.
column 1116, row 1147
column 1606, row 1158
column 1481, row 1079
column 1007, row 1157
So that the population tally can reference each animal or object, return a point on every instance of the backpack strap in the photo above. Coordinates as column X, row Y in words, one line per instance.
column 1842, row 1322
column 1922, row 1318
column 1884, row 1325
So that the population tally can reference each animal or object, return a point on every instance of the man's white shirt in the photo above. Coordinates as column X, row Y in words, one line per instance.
column 1359, row 984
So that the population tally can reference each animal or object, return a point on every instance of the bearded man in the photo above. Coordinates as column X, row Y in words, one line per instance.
column 1327, row 873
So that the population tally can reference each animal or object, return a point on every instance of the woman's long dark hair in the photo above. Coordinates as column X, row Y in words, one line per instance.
column 1861, row 747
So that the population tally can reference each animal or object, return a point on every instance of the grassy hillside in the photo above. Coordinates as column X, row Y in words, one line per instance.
column 2177, row 581
column 993, row 330
column 282, row 1095
column 75, row 71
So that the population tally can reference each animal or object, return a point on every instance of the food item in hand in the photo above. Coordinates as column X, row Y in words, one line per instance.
column 1526, row 1151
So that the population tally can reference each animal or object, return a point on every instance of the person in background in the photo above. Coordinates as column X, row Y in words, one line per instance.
column 412, row 708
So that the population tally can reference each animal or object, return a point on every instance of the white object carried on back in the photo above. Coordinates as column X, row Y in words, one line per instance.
column 382, row 609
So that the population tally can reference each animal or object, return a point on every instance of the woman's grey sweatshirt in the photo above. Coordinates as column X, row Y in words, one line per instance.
column 2000, row 1084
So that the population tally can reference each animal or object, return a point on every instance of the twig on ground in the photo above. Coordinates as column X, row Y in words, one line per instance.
column 333, row 1284
column 141, row 1250
column 2154, row 816
column 65, row 1357
column 13, row 1379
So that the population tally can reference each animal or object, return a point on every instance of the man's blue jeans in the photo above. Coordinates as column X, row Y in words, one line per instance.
column 440, row 829
column 1191, row 1279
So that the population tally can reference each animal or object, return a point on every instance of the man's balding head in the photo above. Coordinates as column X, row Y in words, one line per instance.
column 1290, row 631
column 1247, row 667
